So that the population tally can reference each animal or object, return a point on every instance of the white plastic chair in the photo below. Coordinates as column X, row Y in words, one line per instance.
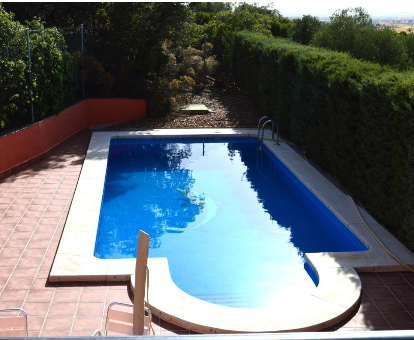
column 120, row 320
column 13, row 323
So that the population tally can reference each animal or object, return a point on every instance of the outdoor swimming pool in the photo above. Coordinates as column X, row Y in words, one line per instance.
column 233, row 224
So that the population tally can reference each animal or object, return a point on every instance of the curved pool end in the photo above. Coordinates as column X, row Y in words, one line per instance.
column 335, row 298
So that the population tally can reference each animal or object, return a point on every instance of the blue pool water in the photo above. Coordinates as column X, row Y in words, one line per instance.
column 234, row 226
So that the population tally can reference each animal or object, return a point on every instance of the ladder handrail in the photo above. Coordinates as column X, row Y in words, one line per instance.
column 258, row 128
column 262, row 131
column 273, row 130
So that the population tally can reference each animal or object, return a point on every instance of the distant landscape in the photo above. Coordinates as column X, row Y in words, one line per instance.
column 399, row 25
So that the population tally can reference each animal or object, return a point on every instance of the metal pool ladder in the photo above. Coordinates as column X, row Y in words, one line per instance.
column 260, row 131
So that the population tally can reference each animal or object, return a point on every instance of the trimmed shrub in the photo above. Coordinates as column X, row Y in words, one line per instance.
column 354, row 118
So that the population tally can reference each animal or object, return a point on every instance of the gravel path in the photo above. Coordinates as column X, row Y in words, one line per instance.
column 229, row 109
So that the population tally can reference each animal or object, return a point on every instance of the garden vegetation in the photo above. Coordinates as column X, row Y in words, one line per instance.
column 342, row 90
column 354, row 118
column 352, row 30
column 52, row 72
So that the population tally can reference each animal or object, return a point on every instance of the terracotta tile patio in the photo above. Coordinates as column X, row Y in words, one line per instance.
column 387, row 303
column 33, row 208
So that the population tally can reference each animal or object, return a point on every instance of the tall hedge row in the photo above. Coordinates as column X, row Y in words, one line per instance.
column 53, row 77
column 354, row 118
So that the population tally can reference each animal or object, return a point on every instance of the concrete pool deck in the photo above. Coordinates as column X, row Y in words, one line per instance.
column 333, row 300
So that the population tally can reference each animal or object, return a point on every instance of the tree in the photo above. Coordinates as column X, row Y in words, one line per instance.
column 383, row 46
column 343, row 29
column 352, row 31
column 264, row 10
column 129, row 38
column 210, row 7
column 125, row 38
column 55, row 14
column 305, row 29
column 219, row 26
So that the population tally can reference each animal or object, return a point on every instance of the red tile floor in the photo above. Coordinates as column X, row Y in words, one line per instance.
column 33, row 207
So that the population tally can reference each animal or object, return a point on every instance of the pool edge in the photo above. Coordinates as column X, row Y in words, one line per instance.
column 335, row 299
column 76, row 263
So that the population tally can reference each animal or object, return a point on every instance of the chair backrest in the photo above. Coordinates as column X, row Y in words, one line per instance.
column 13, row 323
column 119, row 319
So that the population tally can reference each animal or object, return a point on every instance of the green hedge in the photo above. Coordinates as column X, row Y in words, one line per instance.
column 354, row 118
column 53, row 77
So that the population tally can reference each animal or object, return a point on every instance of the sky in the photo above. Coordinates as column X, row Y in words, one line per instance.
column 328, row 7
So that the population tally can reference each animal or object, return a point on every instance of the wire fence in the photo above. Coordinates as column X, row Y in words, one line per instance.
column 29, row 72
column 99, row 58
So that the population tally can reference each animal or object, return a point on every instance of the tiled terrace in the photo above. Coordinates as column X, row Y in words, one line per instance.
column 33, row 208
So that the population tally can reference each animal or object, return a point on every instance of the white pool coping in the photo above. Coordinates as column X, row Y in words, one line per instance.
column 334, row 299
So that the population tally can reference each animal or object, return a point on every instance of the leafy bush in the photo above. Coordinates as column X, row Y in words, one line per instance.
column 13, row 92
column 185, row 73
column 52, row 73
column 52, row 70
column 98, row 82
column 354, row 118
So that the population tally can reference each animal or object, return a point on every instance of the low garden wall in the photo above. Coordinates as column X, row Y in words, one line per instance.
column 24, row 145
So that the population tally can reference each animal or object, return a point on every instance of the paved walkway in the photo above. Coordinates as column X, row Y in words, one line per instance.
column 387, row 303
column 33, row 208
